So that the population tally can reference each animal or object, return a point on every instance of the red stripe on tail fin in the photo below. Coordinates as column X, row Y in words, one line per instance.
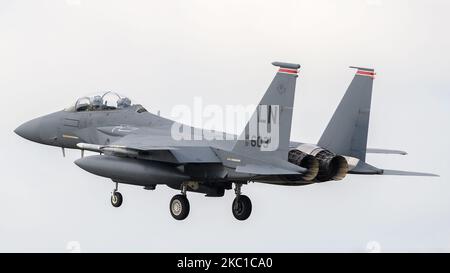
column 366, row 73
column 288, row 71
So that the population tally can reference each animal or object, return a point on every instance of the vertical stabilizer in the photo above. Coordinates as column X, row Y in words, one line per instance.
column 347, row 131
column 269, row 129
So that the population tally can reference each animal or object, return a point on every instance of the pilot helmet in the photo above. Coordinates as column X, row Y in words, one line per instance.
column 97, row 101
column 123, row 102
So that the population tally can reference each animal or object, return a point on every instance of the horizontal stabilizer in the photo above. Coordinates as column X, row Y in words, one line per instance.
column 407, row 173
column 385, row 151
column 266, row 170
column 365, row 168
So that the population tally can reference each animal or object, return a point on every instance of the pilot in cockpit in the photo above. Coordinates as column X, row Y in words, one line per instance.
column 107, row 102
column 97, row 103
column 123, row 103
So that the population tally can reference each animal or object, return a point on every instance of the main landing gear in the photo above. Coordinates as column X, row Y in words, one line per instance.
column 116, row 197
column 179, row 205
column 242, row 205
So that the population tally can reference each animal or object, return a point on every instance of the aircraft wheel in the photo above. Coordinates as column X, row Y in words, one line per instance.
column 116, row 199
column 179, row 207
column 242, row 207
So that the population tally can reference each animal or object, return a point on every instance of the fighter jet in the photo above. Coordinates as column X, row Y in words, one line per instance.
column 140, row 148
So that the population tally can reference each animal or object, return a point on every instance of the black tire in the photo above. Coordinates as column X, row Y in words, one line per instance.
column 116, row 199
column 179, row 207
column 242, row 207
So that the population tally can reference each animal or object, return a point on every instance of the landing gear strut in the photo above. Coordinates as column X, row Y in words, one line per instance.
column 116, row 197
column 242, row 206
column 179, row 205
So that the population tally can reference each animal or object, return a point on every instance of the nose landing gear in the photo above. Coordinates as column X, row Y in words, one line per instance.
column 116, row 197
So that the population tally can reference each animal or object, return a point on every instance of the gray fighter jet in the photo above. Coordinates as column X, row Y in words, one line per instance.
column 139, row 148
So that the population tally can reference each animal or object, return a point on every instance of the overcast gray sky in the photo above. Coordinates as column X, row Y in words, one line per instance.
column 163, row 53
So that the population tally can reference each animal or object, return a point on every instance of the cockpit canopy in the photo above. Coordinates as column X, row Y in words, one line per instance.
column 100, row 102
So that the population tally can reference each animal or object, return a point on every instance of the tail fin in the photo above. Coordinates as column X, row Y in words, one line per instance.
column 346, row 133
column 269, row 128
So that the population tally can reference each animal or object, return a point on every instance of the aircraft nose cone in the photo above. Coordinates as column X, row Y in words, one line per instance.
column 30, row 130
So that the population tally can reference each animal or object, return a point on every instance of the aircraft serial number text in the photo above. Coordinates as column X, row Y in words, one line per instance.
column 229, row 262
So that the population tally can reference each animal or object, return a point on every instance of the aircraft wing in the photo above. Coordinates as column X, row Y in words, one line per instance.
column 155, row 150
column 185, row 154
